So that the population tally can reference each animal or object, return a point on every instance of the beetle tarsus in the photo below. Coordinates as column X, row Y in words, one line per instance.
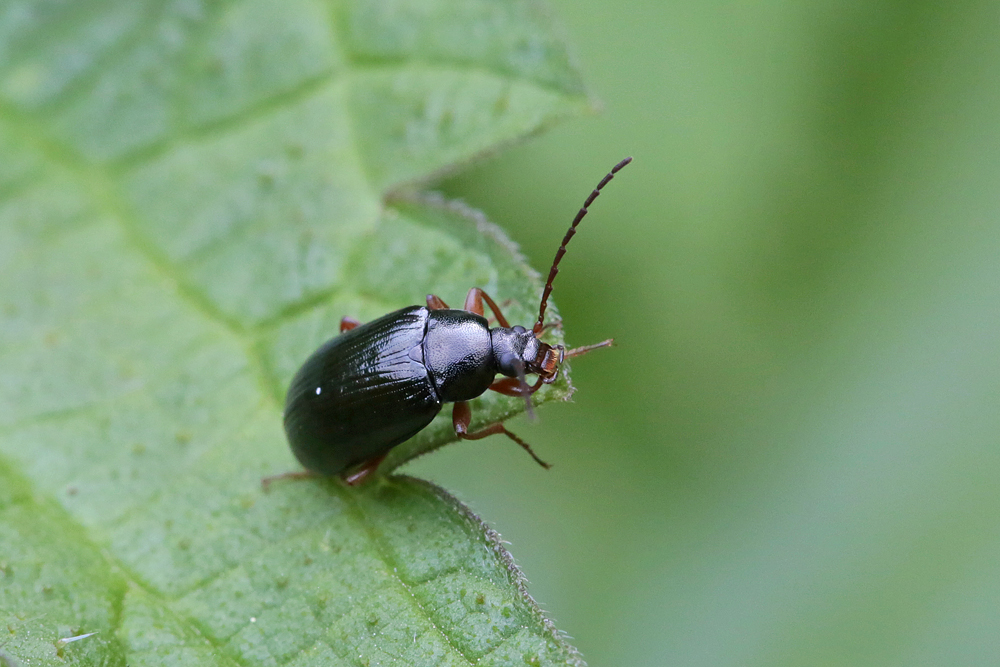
column 266, row 482
column 462, row 415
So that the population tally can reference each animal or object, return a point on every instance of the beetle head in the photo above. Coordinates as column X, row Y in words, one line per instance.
column 514, row 349
column 518, row 352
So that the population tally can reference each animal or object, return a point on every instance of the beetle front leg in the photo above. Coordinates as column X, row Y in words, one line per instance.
column 461, row 416
column 435, row 303
column 348, row 323
column 491, row 321
column 512, row 387
column 474, row 304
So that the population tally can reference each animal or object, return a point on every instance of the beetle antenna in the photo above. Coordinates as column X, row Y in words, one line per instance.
column 539, row 325
column 578, row 351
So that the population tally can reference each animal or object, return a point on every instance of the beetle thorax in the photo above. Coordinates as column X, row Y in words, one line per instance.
column 458, row 354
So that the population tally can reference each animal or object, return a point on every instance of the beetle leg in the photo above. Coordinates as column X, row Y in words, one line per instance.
column 435, row 303
column 474, row 304
column 507, row 387
column 492, row 319
column 512, row 387
column 461, row 416
column 266, row 482
column 361, row 474
column 348, row 323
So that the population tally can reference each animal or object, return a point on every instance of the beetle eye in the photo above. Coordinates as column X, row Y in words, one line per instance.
column 518, row 328
column 507, row 359
column 507, row 363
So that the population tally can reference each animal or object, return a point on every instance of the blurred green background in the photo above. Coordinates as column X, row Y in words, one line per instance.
column 791, row 457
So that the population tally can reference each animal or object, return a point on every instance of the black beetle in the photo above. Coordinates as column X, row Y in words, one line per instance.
column 377, row 384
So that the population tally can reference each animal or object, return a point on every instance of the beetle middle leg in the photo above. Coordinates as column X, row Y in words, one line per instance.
column 461, row 416
column 348, row 323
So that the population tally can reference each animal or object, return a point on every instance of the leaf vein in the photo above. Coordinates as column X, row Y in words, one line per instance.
column 371, row 532
column 84, row 83
column 106, row 198
column 221, row 126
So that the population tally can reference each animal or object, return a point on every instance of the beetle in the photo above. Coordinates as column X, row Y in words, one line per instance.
column 377, row 384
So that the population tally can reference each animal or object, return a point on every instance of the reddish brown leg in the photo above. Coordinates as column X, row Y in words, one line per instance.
column 512, row 387
column 299, row 474
column 364, row 472
column 461, row 416
column 348, row 323
column 492, row 319
column 435, row 303
column 474, row 304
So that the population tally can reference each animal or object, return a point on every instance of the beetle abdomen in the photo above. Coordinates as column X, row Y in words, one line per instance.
column 361, row 394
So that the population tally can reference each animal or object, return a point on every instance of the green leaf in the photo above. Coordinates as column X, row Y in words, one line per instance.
column 191, row 196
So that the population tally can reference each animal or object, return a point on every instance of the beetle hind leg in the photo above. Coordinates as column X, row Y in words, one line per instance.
column 461, row 416
column 366, row 470
column 266, row 482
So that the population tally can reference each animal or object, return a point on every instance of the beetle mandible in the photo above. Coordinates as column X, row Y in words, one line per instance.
column 377, row 384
